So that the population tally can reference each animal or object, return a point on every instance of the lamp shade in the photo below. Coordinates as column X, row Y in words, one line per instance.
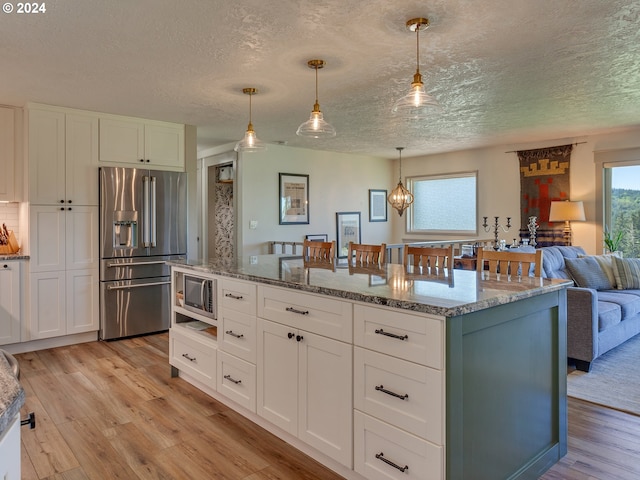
column 566, row 211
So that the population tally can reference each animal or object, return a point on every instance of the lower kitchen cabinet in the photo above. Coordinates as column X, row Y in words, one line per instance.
column 10, row 301
column 194, row 355
column 305, row 387
column 63, row 303
column 10, row 451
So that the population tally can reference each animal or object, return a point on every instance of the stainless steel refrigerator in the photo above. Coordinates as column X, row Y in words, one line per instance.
column 142, row 225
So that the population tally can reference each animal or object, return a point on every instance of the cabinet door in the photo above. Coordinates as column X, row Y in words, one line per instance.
column 10, row 306
column 10, row 451
column 81, row 237
column 7, row 154
column 82, row 301
column 46, row 157
column 121, row 141
column 278, row 375
column 81, row 159
column 325, row 399
column 47, row 238
column 47, row 305
column 164, row 145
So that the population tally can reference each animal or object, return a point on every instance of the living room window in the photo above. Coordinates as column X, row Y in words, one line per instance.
column 621, row 195
column 444, row 203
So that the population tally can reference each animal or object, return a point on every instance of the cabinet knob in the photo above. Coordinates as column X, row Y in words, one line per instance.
column 69, row 209
column 291, row 335
column 5, row 266
column 62, row 209
column 68, row 201
column 61, row 201
column 299, row 338
column 142, row 159
column 148, row 160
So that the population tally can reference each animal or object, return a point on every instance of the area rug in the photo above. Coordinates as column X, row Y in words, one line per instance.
column 614, row 379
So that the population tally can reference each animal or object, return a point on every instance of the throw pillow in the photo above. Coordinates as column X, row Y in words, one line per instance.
column 587, row 273
column 627, row 272
column 606, row 263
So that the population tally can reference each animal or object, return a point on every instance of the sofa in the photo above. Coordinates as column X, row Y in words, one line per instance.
column 603, row 309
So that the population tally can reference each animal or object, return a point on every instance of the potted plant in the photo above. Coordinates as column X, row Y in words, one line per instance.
column 612, row 240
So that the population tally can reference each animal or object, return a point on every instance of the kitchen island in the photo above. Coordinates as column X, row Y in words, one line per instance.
column 12, row 397
column 383, row 372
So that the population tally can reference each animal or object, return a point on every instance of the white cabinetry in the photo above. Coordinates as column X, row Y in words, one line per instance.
column 10, row 301
column 63, row 222
column 141, row 143
column 10, row 451
column 7, row 154
column 305, row 368
column 399, row 394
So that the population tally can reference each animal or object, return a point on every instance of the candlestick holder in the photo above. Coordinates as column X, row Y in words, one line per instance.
column 496, row 229
column 533, row 228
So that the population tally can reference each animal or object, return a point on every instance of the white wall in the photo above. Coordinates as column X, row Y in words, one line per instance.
column 499, row 181
column 337, row 183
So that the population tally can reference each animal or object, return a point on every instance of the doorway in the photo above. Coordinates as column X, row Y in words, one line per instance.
column 219, row 224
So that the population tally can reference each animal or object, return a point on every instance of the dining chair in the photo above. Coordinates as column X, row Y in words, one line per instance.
column 363, row 254
column 315, row 250
column 512, row 263
column 441, row 257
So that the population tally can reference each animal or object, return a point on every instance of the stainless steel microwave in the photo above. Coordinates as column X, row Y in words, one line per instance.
column 200, row 295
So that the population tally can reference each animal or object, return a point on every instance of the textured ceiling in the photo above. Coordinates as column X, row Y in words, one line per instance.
column 504, row 71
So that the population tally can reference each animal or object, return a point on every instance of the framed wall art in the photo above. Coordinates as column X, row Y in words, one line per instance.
column 347, row 230
column 293, row 199
column 377, row 205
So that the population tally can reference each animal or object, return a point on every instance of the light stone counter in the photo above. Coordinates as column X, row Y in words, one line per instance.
column 447, row 294
column 12, row 395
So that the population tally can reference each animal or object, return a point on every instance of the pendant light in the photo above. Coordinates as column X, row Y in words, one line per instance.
column 316, row 126
column 400, row 198
column 250, row 143
column 417, row 103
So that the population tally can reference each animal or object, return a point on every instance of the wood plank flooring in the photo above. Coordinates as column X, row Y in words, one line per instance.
column 110, row 410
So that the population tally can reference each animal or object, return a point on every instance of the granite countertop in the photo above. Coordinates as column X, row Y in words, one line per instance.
column 14, row 256
column 448, row 294
column 11, row 395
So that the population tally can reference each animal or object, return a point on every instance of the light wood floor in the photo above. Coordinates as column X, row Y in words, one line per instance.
column 109, row 410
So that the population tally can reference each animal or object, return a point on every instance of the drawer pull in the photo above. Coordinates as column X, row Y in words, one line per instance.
column 191, row 359
column 301, row 312
column 233, row 334
column 393, row 394
column 228, row 377
column 380, row 331
column 235, row 297
column 380, row 456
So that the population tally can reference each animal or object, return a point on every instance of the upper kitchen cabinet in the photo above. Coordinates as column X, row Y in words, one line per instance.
column 135, row 142
column 7, row 154
column 63, row 157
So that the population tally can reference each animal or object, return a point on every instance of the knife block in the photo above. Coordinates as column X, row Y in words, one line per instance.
column 12, row 245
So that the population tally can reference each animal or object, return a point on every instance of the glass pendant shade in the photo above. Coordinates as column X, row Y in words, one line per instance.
column 316, row 126
column 250, row 142
column 400, row 198
column 416, row 103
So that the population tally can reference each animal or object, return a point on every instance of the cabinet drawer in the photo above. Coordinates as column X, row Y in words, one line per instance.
column 237, row 334
column 314, row 313
column 377, row 442
column 237, row 380
column 193, row 356
column 415, row 338
column 237, row 295
column 405, row 394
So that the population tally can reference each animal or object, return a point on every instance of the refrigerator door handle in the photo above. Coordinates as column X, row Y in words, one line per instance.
column 145, row 211
column 135, row 264
column 153, row 214
column 126, row 287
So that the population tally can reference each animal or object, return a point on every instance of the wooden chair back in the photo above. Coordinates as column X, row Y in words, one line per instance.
column 362, row 254
column 426, row 257
column 510, row 263
column 314, row 250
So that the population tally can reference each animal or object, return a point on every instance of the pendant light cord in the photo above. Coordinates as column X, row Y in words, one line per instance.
column 418, row 48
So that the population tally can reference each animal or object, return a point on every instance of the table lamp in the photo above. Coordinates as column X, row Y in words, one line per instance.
column 567, row 211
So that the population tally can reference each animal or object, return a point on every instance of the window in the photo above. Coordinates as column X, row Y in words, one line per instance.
column 622, row 205
column 444, row 203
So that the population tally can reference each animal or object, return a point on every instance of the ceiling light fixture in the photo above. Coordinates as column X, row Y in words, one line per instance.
column 400, row 198
column 316, row 126
column 417, row 103
column 250, row 143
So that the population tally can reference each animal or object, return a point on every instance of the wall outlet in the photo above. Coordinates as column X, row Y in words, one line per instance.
column 253, row 224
